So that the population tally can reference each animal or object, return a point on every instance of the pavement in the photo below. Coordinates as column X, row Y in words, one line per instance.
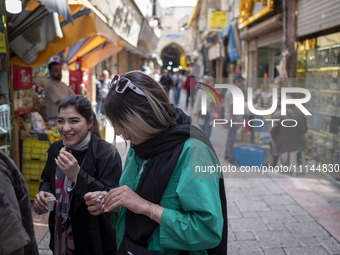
column 269, row 214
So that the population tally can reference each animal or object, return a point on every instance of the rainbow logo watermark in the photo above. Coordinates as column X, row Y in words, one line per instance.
column 204, row 97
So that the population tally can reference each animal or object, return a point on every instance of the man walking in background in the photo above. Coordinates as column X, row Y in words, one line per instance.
column 288, row 140
column 177, row 80
column 229, row 113
column 98, row 94
column 166, row 81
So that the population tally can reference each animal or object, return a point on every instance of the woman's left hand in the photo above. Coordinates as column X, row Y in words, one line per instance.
column 68, row 164
column 94, row 204
column 124, row 196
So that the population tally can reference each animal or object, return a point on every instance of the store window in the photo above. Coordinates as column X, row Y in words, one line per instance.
column 318, row 69
column 5, row 112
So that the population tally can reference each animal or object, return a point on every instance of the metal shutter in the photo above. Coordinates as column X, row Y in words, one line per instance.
column 317, row 15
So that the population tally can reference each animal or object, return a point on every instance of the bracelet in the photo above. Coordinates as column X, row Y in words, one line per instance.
column 154, row 211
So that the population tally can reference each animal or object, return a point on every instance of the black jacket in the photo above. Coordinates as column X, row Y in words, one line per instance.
column 166, row 81
column 101, row 170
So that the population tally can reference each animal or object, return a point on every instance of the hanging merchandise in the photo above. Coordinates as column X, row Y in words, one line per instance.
column 53, row 135
column 37, row 122
column 282, row 67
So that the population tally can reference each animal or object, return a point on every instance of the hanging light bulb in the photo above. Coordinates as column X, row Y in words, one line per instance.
column 13, row 6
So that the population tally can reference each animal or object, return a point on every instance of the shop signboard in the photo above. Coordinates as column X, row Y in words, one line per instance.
column 22, row 86
column 251, row 10
column 22, row 77
column 124, row 17
column 215, row 51
column 75, row 80
column 86, row 77
column 217, row 19
column 2, row 43
column 173, row 36
column 79, row 81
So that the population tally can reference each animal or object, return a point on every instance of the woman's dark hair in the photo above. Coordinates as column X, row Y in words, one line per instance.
column 145, row 115
column 83, row 107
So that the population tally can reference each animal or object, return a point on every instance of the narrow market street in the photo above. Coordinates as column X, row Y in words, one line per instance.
column 272, row 214
column 261, row 79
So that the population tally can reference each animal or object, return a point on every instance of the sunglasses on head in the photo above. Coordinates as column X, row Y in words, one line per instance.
column 121, row 83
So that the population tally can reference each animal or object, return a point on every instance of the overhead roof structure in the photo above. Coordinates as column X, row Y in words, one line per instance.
column 86, row 33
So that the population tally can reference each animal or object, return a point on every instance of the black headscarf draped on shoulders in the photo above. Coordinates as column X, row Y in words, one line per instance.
column 163, row 151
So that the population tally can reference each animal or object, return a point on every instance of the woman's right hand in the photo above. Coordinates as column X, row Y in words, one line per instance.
column 40, row 202
column 94, row 204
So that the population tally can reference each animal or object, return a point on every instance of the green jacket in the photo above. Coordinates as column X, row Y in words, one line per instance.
column 192, row 218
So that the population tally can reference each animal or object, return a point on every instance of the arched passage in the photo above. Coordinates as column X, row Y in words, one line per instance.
column 171, row 56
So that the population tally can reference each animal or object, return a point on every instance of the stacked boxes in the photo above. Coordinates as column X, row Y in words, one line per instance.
column 34, row 155
column 249, row 155
column 31, row 170
column 35, row 150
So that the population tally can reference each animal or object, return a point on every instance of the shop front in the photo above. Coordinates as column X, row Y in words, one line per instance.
column 6, row 133
column 79, row 46
column 318, row 70
column 263, row 46
column 215, row 56
column 262, row 37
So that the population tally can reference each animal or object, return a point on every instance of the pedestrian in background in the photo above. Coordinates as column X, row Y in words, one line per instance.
column 98, row 95
column 104, row 89
column 177, row 80
column 166, row 81
column 189, row 85
column 229, row 113
column 87, row 163
column 288, row 141
column 162, row 208
column 16, row 222
column 203, row 120
column 55, row 90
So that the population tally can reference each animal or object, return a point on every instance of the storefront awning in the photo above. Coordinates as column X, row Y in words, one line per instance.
column 234, row 44
column 147, row 41
column 194, row 13
column 225, row 31
column 59, row 6
column 87, row 26
column 265, row 27
column 95, row 48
